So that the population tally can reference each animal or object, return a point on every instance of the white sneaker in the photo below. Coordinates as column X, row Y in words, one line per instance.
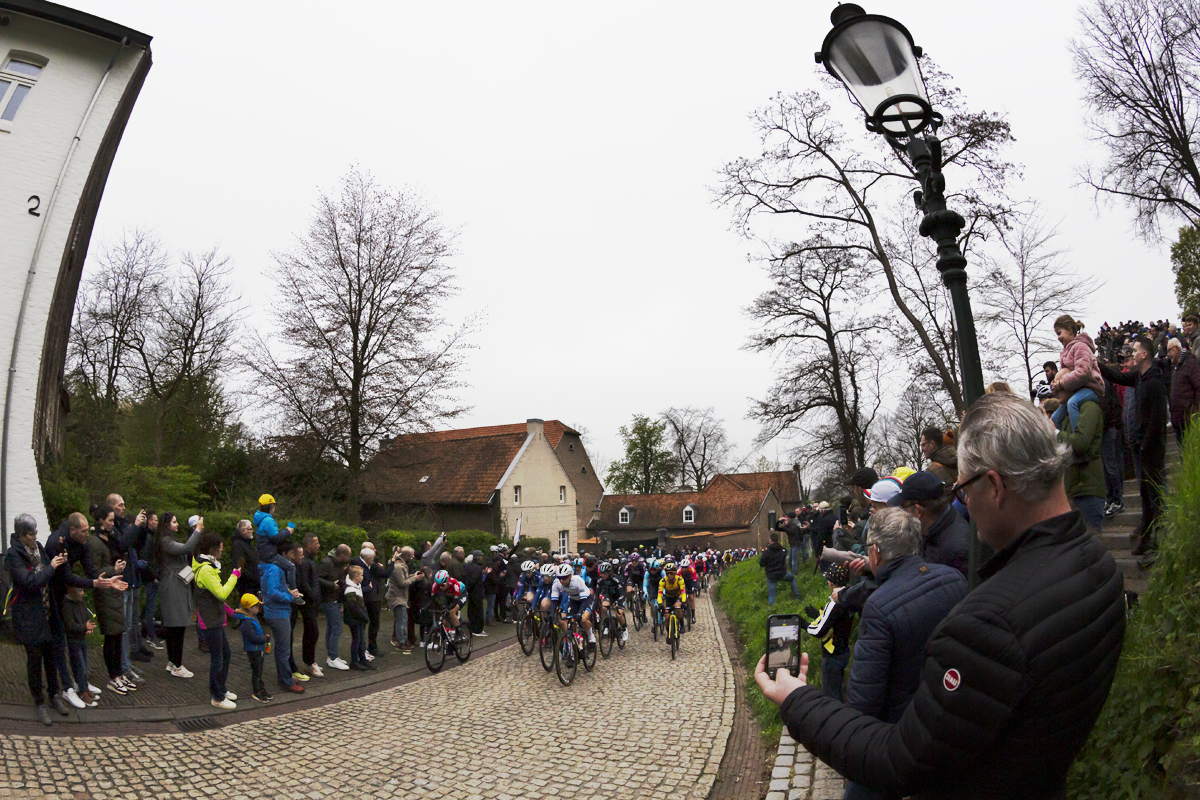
column 71, row 697
column 180, row 671
column 625, row 635
column 230, row 696
column 93, row 689
column 421, row 645
column 229, row 705
column 315, row 670
column 369, row 657
column 129, row 685
column 336, row 663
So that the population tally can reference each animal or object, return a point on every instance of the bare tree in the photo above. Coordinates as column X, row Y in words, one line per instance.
column 699, row 442
column 1030, row 286
column 1139, row 63
column 850, row 192
column 361, row 302
column 190, row 339
column 897, row 437
column 117, row 301
column 828, row 393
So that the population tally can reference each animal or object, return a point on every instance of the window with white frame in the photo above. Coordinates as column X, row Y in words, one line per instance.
column 18, row 74
column 623, row 516
column 562, row 494
column 689, row 514
column 516, row 495
column 563, row 542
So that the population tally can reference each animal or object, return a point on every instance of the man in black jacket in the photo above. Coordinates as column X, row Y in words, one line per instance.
column 331, row 574
column 945, row 536
column 774, row 563
column 472, row 578
column 310, row 589
column 1149, row 438
column 1015, row 677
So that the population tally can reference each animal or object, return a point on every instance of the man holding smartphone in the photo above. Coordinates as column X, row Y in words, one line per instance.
column 1015, row 676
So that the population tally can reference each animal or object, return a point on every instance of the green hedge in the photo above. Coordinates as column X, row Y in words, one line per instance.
column 742, row 594
column 332, row 534
column 1146, row 743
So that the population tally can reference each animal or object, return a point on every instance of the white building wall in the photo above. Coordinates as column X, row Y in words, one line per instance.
column 32, row 154
column 539, row 473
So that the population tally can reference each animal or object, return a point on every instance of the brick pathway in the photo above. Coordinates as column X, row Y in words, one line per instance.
column 745, row 768
column 497, row 727
column 164, row 698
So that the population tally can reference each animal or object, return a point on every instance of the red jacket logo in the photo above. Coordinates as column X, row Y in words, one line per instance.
column 951, row 680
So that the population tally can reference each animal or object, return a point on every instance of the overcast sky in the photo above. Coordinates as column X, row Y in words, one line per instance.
column 575, row 146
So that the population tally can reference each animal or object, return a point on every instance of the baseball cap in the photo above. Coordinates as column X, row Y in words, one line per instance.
column 918, row 488
column 864, row 478
column 249, row 601
column 883, row 490
column 901, row 474
column 265, row 500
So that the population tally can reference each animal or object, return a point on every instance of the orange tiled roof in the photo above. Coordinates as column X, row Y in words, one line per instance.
column 553, row 428
column 719, row 506
column 782, row 483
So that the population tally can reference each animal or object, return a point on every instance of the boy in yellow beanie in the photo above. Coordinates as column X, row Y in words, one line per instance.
column 255, row 641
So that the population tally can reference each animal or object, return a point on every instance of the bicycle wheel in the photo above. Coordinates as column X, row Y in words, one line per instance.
column 564, row 659
column 620, row 640
column 589, row 653
column 608, row 635
column 546, row 645
column 654, row 626
column 462, row 647
column 673, row 635
column 525, row 633
column 638, row 619
column 435, row 648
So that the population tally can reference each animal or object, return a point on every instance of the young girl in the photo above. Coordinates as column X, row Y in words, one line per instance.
column 211, row 611
column 1078, row 356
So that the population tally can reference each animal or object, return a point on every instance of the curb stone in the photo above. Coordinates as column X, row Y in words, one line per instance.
column 798, row 775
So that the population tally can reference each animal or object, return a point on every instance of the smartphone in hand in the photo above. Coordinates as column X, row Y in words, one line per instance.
column 783, row 644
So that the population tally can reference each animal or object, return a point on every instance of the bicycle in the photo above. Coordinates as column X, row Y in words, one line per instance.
column 526, row 626
column 570, row 648
column 442, row 638
column 638, row 609
column 674, row 629
column 546, row 638
column 608, row 629
column 704, row 582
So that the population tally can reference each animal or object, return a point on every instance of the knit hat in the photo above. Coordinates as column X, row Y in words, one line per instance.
column 249, row 601
column 835, row 572
column 864, row 478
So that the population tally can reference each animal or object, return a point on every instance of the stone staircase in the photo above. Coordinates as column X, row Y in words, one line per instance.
column 1118, row 528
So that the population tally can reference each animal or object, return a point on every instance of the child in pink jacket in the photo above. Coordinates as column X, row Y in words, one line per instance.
column 1078, row 357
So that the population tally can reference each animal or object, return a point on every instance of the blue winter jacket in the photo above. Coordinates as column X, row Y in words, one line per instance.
column 253, row 638
column 267, row 535
column 897, row 621
column 277, row 600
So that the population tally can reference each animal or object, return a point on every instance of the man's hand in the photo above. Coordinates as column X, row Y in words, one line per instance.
column 119, row 567
column 91, row 626
column 58, row 560
column 295, row 593
column 118, row 584
column 857, row 566
column 140, row 519
column 784, row 683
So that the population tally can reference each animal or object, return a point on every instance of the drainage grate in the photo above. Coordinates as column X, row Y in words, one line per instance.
column 196, row 724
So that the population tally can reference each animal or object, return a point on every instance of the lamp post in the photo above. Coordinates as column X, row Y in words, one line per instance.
column 875, row 58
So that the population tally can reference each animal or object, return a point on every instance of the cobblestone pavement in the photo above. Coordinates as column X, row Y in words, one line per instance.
column 166, row 698
column 798, row 775
column 498, row 727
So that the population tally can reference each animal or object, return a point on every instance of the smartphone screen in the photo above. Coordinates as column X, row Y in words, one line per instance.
column 783, row 643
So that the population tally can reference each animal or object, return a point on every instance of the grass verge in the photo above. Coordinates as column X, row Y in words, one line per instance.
column 1146, row 743
column 742, row 594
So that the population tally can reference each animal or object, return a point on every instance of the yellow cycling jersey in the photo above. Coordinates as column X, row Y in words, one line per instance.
column 667, row 587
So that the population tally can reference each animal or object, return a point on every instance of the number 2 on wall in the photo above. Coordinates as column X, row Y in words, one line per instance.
column 37, row 203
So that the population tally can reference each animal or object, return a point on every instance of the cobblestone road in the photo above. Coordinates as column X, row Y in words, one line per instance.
column 499, row 727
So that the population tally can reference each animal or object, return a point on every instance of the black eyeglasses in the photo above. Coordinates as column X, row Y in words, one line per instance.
column 958, row 489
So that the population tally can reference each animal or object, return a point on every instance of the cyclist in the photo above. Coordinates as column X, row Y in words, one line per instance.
column 591, row 573
column 635, row 571
column 542, row 589
column 528, row 581
column 687, row 571
column 452, row 590
column 672, row 589
column 654, row 574
column 574, row 598
column 609, row 589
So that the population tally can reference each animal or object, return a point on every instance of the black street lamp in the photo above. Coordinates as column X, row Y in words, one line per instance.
column 875, row 58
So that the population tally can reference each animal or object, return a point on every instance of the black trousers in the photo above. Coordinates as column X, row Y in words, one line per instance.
column 475, row 609
column 174, row 637
column 1152, row 474
column 112, row 655
column 39, row 659
column 308, row 643
column 256, row 671
column 374, row 607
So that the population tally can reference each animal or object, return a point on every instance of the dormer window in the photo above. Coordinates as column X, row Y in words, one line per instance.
column 689, row 514
column 423, row 479
column 623, row 516
column 571, row 446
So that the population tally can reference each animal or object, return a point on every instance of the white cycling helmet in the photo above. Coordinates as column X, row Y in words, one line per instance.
column 687, row 562
column 548, row 570
column 528, row 566
column 564, row 571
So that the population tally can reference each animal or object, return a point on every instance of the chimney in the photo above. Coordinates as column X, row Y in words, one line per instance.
column 536, row 426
